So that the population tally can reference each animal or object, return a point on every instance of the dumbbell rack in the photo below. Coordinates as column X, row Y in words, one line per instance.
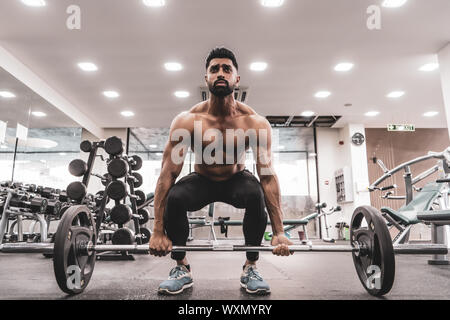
column 120, row 166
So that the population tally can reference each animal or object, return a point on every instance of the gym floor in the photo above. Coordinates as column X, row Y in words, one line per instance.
column 302, row 276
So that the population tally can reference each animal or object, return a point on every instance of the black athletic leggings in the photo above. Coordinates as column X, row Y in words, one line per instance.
column 194, row 191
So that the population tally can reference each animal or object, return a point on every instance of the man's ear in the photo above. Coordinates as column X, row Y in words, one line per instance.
column 238, row 81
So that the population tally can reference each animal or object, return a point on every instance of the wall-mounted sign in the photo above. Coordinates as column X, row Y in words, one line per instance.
column 401, row 127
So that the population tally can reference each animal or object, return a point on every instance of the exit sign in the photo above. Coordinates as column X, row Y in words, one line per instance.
column 401, row 127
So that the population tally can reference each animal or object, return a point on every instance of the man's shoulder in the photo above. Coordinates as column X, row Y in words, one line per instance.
column 255, row 119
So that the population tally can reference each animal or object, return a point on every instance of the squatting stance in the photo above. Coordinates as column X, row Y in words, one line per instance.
column 219, row 131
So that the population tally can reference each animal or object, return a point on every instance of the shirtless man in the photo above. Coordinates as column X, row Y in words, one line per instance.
column 222, row 181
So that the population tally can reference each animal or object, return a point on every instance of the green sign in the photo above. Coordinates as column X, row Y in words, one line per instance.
column 401, row 127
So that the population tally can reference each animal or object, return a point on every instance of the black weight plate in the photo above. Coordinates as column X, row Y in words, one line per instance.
column 121, row 214
column 118, row 168
column 144, row 216
column 140, row 197
column 76, row 191
column 77, row 226
column 116, row 190
column 114, row 146
column 369, row 229
column 77, row 167
column 138, row 179
column 145, row 235
column 137, row 163
column 123, row 236
column 86, row 146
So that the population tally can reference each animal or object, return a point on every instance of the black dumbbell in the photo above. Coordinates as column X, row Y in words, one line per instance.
column 78, row 167
column 137, row 163
column 47, row 192
column 118, row 168
column 116, row 190
column 63, row 196
column 86, row 146
column 137, row 179
column 144, row 216
column 76, row 191
column 123, row 236
column 121, row 214
column 140, row 197
column 53, row 207
column 113, row 146
column 145, row 235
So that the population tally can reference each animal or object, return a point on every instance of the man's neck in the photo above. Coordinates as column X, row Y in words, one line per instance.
column 222, row 106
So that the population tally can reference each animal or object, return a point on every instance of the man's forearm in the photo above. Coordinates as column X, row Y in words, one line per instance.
column 272, row 198
column 165, row 182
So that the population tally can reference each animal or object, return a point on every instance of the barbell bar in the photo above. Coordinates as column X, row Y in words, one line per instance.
column 89, row 247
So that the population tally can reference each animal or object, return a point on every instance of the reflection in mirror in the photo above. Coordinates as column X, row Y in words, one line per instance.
column 50, row 141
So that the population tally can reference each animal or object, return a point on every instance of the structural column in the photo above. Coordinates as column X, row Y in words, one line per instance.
column 444, row 66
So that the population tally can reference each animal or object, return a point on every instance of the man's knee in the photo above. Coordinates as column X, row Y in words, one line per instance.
column 176, row 197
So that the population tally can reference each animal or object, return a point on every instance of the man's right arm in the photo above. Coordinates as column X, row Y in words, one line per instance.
column 172, row 163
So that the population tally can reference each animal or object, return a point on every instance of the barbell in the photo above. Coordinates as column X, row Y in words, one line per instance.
column 75, row 248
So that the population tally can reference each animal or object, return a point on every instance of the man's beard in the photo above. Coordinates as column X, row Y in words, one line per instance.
column 221, row 91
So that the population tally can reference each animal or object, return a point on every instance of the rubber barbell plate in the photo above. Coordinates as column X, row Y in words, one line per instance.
column 375, row 264
column 73, row 268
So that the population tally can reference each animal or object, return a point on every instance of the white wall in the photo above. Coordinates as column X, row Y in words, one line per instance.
column 333, row 156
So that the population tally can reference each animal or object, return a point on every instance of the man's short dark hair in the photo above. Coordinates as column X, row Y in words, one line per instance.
column 220, row 53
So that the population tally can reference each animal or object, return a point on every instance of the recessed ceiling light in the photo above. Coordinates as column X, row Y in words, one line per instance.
column 258, row 66
column 111, row 94
column 38, row 114
column 7, row 94
column 173, row 66
column 322, row 94
column 153, row 146
column 430, row 114
column 181, row 94
column 429, row 67
column 371, row 114
column 396, row 94
column 344, row 66
column 154, row 3
column 34, row 3
column 87, row 66
column 308, row 113
column 393, row 3
column 127, row 113
column 272, row 3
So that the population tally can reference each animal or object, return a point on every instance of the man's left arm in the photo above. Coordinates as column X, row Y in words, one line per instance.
column 270, row 185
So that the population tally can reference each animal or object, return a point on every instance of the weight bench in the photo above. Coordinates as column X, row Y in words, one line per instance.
column 440, row 232
column 405, row 217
